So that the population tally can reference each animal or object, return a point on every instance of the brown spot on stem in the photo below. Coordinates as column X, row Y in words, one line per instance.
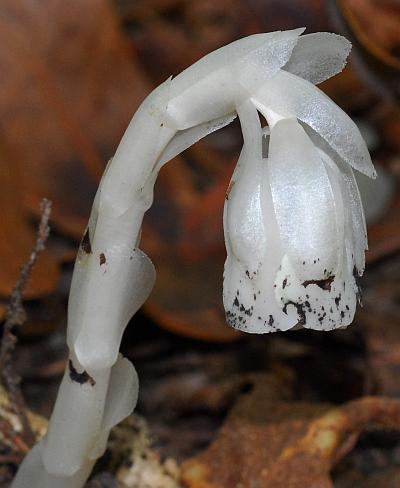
column 80, row 378
column 86, row 245
column 229, row 189
column 103, row 259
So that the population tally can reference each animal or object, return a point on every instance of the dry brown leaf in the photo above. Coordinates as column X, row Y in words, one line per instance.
column 375, row 24
column 12, row 446
column 17, row 238
column 384, row 236
column 141, row 465
column 184, row 237
column 373, row 28
column 285, row 445
column 380, row 322
column 70, row 90
column 2, row 311
column 62, row 101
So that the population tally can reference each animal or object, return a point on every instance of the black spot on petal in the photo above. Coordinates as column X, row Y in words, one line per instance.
column 324, row 284
column 357, row 281
column 300, row 311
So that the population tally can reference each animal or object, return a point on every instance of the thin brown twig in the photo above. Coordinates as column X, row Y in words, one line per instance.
column 15, row 316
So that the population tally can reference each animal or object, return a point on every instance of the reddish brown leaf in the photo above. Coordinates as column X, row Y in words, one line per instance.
column 380, row 324
column 384, row 236
column 17, row 239
column 372, row 26
column 375, row 24
column 279, row 445
column 69, row 93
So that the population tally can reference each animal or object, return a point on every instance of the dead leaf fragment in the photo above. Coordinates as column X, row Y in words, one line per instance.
column 12, row 447
column 142, row 466
column 280, row 445
column 70, row 91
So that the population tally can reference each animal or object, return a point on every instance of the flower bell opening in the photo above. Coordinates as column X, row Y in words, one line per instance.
column 294, row 229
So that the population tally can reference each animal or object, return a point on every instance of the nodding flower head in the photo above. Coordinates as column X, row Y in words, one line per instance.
column 294, row 225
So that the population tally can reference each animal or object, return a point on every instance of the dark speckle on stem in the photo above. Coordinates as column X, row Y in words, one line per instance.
column 86, row 245
column 229, row 190
column 80, row 378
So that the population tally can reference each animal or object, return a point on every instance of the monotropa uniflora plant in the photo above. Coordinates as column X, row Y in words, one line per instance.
column 294, row 226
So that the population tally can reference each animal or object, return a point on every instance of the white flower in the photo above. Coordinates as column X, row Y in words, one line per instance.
column 294, row 224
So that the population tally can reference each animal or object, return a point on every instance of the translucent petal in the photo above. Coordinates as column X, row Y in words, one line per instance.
column 331, row 302
column 355, row 225
column 341, row 212
column 256, row 45
column 213, row 86
column 249, row 299
column 292, row 96
column 358, row 224
column 244, row 226
column 186, row 138
column 318, row 56
column 252, row 241
column 303, row 201
column 243, row 219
